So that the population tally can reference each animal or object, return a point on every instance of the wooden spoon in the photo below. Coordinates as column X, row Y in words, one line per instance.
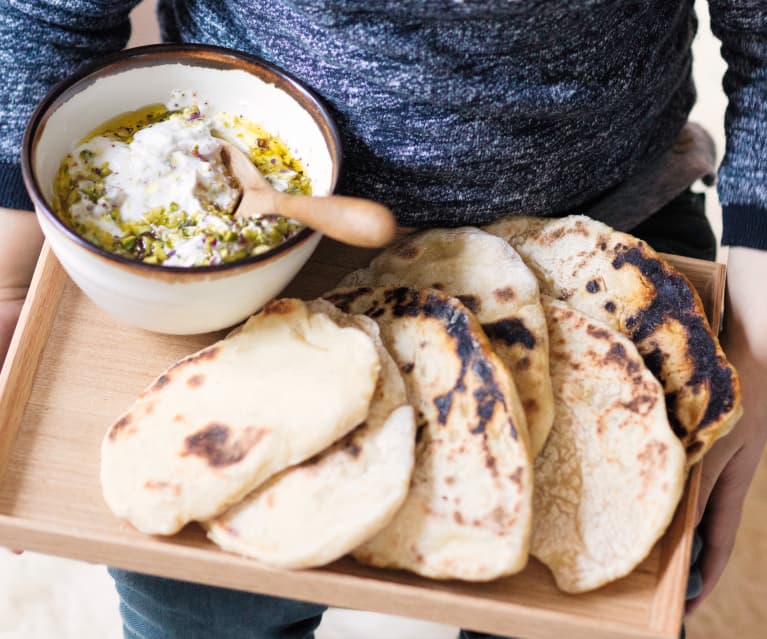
column 351, row 220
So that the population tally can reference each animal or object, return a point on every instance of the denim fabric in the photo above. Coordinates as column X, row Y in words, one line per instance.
column 156, row 608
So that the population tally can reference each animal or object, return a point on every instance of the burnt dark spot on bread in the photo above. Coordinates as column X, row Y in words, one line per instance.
column 443, row 404
column 504, row 294
column 349, row 442
column 279, row 307
column 438, row 285
column 598, row 332
column 641, row 404
column 694, row 447
column 523, row 363
column 120, row 425
column 353, row 449
column 407, row 367
column 549, row 237
column 313, row 460
column 196, row 381
column 673, row 420
column 160, row 382
column 216, row 445
column 654, row 361
column 472, row 302
column 488, row 396
column 609, row 306
column 343, row 301
column 618, row 356
column 510, row 331
column 207, row 354
column 592, row 286
column 675, row 300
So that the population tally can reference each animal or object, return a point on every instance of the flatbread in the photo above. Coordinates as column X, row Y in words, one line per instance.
column 468, row 512
column 218, row 423
column 490, row 278
column 316, row 512
column 621, row 281
column 610, row 476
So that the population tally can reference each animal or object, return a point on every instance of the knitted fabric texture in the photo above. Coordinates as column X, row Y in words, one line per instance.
column 452, row 112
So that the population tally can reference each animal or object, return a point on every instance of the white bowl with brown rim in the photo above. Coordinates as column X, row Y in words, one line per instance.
column 173, row 299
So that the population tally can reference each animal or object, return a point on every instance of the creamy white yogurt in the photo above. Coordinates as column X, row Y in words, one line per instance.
column 172, row 163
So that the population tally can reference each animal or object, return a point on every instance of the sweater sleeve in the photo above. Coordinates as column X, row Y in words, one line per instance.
column 741, row 25
column 41, row 43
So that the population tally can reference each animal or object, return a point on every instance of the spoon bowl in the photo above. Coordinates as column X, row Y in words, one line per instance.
column 351, row 220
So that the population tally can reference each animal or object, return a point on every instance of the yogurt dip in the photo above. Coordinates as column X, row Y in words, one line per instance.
column 152, row 185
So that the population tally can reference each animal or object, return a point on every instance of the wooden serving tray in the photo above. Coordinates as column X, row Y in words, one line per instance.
column 72, row 370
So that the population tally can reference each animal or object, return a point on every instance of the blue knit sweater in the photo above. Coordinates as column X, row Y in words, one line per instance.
column 452, row 111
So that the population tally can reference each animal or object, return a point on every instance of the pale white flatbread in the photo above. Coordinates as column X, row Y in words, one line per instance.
column 492, row 281
column 611, row 473
column 621, row 281
column 220, row 422
column 468, row 512
column 316, row 512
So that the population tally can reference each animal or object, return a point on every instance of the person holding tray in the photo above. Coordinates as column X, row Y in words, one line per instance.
column 456, row 113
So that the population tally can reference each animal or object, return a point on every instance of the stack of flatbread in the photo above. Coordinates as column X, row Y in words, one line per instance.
column 296, row 423
column 470, row 398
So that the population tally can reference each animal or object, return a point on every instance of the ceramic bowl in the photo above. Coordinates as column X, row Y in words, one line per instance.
column 171, row 299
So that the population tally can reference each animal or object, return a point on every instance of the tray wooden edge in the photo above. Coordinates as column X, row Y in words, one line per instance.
column 27, row 345
column 321, row 585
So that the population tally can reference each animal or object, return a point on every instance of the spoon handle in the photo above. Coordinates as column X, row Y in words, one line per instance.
column 351, row 220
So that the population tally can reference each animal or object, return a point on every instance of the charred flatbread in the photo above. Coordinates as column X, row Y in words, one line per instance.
column 492, row 281
column 220, row 422
column 620, row 280
column 467, row 514
column 611, row 473
column 316, row 512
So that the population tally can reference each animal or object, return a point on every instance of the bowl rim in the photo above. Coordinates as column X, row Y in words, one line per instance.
column 156, row 55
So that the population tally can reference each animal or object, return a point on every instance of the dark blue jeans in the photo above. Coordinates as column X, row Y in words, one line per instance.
column 155, row 608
